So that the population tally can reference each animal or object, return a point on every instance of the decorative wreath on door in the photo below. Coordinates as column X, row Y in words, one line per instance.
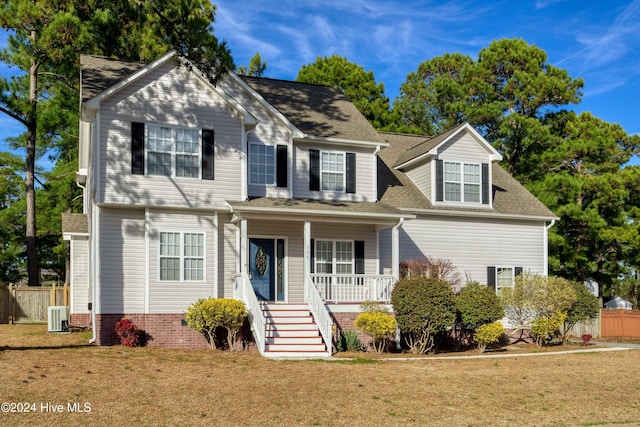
column 261, row 261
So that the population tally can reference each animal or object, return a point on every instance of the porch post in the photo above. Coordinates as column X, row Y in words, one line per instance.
column 307, row 249
column 244, row 250
column 395, row 250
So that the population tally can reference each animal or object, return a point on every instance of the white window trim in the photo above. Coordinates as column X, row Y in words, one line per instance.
column 334, row 262
column 513, row 277
column 173, row 153
column 275, row 165
column 182, row 256
column 461, row 182
column 343, row 172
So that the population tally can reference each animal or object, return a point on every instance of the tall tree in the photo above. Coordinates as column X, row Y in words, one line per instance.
column 357, row 84
column 256, row 67
column 45, row 38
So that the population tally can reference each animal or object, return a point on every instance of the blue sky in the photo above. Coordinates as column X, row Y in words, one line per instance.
column 596, row 40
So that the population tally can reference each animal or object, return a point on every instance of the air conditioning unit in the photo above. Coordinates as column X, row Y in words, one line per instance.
column 58, row 319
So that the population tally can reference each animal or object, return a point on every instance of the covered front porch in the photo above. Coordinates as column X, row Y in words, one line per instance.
column 312, row 253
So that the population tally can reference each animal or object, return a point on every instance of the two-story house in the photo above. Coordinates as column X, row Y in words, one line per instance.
column 277, row 193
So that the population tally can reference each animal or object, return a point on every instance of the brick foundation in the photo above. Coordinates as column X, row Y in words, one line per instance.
column 162, row 330
column 80, row 320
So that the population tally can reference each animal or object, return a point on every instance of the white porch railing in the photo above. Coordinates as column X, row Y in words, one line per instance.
column 244, row 292
column 319, row 312
column 354, row 287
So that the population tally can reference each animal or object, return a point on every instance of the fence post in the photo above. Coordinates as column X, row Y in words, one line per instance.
column 12, row 304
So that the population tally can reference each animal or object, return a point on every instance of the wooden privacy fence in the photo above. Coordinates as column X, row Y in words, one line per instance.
column 24, row 304
column 620, row 323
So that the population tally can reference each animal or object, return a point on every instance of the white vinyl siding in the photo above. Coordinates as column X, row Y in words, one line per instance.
column 79, row 275
column 471, row 244
column 122, row 261
column 191, row 250
column 170, row 97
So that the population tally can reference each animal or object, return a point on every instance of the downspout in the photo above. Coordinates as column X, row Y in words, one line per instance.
column 395, row 266
column 546, row 246
column 375, row 171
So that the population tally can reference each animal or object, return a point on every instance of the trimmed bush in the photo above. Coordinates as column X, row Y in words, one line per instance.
column 423, row 307
column 477, row 305
column 207, row 315
column 488, row 334
column 545, row 328
column 378, row 325
column 128, row 333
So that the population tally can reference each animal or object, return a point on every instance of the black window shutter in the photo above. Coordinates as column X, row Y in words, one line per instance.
column 351, row 173
column 137, row 148
column 358, row 251
column 485, row 183
column 281, row 166
column 313, row 256
column 439, row 181
column 207, row 154
column 517, row 271
column 491, row 278
column 314, row 170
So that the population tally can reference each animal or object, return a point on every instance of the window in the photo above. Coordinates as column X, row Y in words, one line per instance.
column 461, row 182
column 335, row 257
column 502, row 277
column 332, row 171
column 261, row 164
column 173, row 151
column 181, row 256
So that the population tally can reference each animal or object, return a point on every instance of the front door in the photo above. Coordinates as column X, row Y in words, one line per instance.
column 262, row 262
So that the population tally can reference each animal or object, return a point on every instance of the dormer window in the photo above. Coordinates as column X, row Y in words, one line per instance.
column 460, row 182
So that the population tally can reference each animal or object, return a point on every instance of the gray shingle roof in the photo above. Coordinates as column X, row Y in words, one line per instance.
column 99, row 73
column 427, row 144
column 396, row 189
column 330, row 207
column 314, row 109
column 74, row 223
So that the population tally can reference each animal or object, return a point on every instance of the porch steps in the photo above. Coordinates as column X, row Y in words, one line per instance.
column 292, row 332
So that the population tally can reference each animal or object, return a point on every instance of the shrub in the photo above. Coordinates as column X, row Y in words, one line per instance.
column 128, row 333
column 423, row 307
column 377, row 324
column 206, row 315
column 349, row 341
column 545, row 328
column 585, row 307
column 488, row 334
column 478, row 304
column 437, row 268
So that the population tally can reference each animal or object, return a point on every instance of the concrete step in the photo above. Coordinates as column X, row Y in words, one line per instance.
column 295, row 348
column 301, row 333
column 282, row 320
column 297, row 341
